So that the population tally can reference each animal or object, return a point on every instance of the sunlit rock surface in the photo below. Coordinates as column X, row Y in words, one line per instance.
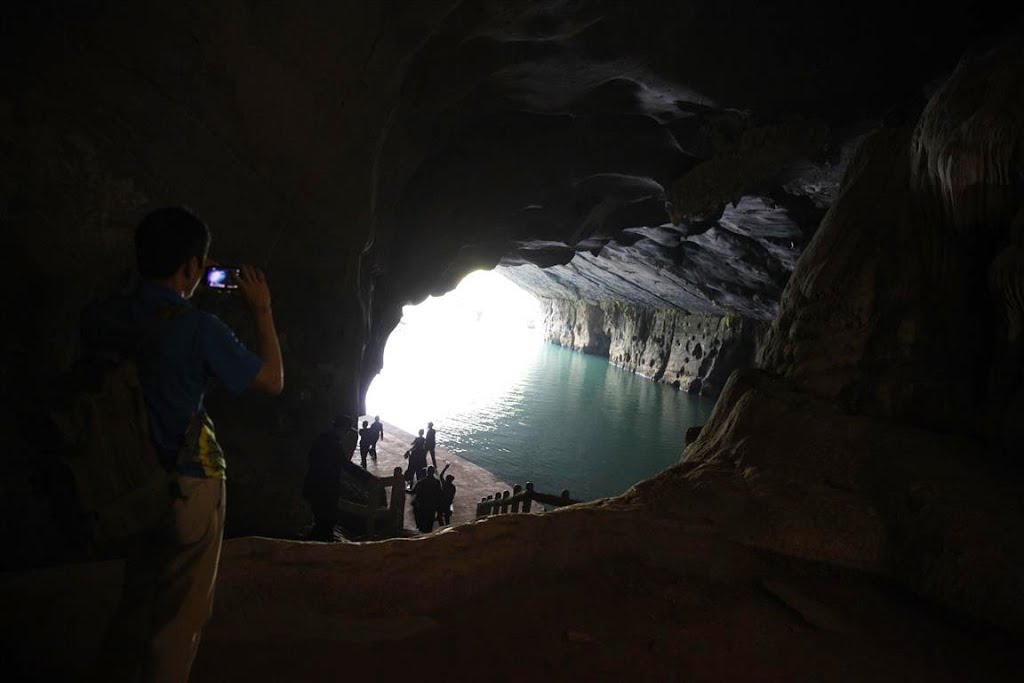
column 739, row 265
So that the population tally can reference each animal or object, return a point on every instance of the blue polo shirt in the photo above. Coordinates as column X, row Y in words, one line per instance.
column 176, row 363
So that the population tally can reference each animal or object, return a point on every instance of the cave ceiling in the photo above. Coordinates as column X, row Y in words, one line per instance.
column 671, row 154
column 675, row 155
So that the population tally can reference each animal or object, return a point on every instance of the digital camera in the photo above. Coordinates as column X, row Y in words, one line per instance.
column 222, row 277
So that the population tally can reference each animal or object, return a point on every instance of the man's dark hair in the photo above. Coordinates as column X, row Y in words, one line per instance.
column 167, row 238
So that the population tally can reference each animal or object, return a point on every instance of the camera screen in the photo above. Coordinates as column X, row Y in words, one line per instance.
column 221, row 278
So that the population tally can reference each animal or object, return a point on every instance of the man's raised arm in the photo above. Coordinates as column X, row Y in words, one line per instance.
column 270, row 378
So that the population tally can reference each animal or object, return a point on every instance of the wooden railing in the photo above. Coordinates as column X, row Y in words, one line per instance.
column 390, row 519
column 520, row 500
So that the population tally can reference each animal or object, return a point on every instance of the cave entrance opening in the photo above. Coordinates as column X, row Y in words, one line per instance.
column 475, row 363
column 455, row 356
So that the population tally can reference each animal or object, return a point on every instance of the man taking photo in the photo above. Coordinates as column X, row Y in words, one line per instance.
column 170, row 573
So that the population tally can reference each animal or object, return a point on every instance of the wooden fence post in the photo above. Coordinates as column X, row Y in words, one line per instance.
column 516, row 490
column 528, row 503
column 371, row 507
column 398, row 500
column 504, row 502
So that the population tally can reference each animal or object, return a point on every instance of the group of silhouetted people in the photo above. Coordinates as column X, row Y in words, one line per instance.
column 369, row 435
column 434, row 495
column 417, row 455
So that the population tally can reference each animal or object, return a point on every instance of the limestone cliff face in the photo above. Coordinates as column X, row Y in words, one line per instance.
column 693, row 352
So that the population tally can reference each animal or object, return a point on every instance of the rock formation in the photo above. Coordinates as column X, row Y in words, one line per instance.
column 671, row 305
column 658, row 164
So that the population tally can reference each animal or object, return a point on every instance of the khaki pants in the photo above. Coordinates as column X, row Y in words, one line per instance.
column 168, row 591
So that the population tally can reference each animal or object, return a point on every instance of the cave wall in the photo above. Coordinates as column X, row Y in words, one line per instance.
column 693, row 352
column 883, row 431
column 109, row 111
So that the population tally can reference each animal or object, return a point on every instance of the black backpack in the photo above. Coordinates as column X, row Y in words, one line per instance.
column 101, row 470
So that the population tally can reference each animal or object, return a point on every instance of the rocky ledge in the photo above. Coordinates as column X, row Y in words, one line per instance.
column 736, row 265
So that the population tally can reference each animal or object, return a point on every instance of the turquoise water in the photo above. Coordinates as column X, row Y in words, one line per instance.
column 575, row 421
column 475, row 363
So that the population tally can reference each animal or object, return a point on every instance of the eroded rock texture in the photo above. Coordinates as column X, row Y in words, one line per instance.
column 916, row 458
column 602, row 592
column 693, row 352
column 738, row 265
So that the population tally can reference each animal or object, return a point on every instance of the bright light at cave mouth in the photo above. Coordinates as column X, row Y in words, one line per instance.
column 457, row 353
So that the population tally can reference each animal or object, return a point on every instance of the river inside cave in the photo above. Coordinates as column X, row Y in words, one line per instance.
column 475, row 363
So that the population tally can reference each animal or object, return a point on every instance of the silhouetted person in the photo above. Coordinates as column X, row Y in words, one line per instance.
column 170, row 572
column 431, row 443
column 444, row 510
column 428, row 498
column 376, row 434
column 417, row 459
column 379, row 426
column 350, row 439
column 365, row 439
column 323, row 478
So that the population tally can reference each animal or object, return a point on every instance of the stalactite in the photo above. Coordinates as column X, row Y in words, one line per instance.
column 968, row 142
column 1006, row 277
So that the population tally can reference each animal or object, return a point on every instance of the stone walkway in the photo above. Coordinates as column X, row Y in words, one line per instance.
column 472, row 481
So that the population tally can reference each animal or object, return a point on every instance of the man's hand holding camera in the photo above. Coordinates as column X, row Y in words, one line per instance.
column 253, row 284
column 256, row 291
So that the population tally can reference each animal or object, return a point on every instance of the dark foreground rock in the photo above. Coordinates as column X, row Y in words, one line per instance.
column 597, row 592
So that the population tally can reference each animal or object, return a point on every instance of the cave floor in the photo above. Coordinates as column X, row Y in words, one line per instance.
column 628, row 622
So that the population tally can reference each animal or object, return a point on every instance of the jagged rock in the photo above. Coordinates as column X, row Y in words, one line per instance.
column 877, row 438
column 863, row 324
column 967, row 143
column 754, row 160
column 738, row 266
column 794, row 474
